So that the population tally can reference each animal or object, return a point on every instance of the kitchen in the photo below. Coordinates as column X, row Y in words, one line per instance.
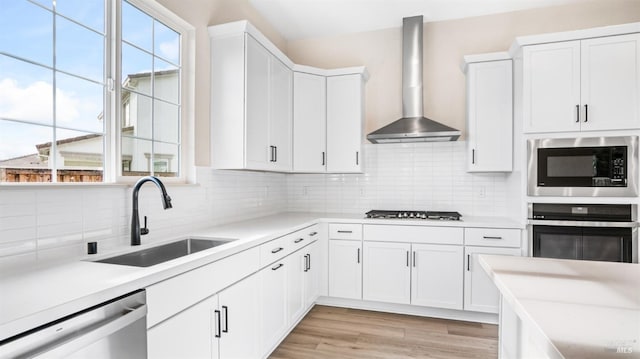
column 42, row 226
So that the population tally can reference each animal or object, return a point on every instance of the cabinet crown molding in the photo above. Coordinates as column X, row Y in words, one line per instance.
column 244, row 26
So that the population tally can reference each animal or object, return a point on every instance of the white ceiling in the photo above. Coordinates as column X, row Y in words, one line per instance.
column 300, row 19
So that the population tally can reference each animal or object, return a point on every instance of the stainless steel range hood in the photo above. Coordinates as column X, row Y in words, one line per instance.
column 413, row 126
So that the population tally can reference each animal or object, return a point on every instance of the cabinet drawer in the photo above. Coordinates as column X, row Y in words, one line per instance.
column 198, row 284
column 304, row 236
column 345, row 231
column 277, row 248
column 492, row 237
column 413, row 234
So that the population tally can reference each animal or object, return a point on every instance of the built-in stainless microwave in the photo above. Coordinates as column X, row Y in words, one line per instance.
column 597, row 166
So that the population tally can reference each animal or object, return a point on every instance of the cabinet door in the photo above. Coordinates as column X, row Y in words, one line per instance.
column 480, row 294
column 310, row 123
column 610, row 82
column 345, row 269
column 257, row 150
column 490, row 117
column 551, row 87
column 273, row 302
column 437, row 275
column 189, row 334
column 239, row 310
column 386, row 272
column 280, row 114
column 312, row 274
column 296, row 266
column 344, row 123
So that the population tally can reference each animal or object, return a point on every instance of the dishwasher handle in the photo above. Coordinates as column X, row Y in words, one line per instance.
column 60, row 339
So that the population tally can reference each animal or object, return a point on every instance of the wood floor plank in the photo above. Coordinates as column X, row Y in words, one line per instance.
column 341, row 333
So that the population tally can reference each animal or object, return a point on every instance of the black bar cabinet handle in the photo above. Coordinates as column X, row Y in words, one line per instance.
column 309, row 261
column 414, row 259
column 306, row 263
column 274, row 251
column 277, row 267
column 577, row 113
column 357, row 158
column 275, row 157
column 407, row 258
column 216, row 314
column 345, row 231
column 323, row 159
column 491, row 237
column 358, row 255
column 468, row 260
column 586, row 113
column 473, row 156
column 312, row 234
column 225, row 311
column 298, row 240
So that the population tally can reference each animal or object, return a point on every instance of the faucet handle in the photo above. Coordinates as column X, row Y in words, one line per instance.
column 144, row 230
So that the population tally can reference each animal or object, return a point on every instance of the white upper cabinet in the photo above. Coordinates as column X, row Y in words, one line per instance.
column 582, row 85
column 309, row 122
column 255, row 102
column 489, row 116
column 251, row 114
column 345, row 109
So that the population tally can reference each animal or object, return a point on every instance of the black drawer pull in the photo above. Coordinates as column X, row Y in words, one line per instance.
column 491, row 237
column 276, row 250
column 312, row 234
column 298, row 240
column 277, row 267
column 345, row 231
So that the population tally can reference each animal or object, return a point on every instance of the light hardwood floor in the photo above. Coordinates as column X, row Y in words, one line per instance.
column 329, row 332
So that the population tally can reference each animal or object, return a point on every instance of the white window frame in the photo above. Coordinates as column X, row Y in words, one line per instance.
column 187, row 92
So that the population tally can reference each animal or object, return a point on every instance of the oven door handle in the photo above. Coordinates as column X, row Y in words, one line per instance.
column 543, row 222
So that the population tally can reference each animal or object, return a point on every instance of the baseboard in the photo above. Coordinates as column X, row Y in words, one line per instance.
column 452, row 314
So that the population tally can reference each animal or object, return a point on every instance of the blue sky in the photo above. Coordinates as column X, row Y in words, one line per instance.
column 26, row 30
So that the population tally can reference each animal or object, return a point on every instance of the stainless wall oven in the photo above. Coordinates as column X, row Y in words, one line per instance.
column 599, row 166
column 600, row 232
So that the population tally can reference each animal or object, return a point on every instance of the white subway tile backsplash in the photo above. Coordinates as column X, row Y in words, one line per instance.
column 55, row 224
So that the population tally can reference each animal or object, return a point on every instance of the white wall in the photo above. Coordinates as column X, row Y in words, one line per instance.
column 420, row 176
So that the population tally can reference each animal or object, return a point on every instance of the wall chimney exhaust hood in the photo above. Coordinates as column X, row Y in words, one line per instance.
column 413, row 126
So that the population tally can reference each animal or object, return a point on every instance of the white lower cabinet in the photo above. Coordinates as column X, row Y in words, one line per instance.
column 436, row 275
column 312, row 274
column 410, row 273
column 221, row 326
column 296, row 266
column 345, row 269
column 480, row 294
column 386, row 272
column 273, row 306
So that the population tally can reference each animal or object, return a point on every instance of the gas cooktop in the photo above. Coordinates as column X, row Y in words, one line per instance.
column 446, row 216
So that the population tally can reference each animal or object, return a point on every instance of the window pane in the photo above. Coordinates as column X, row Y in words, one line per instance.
column 26, row 91
column 166, row 125
column 166, row 160
column 87, row 12
column 78, row 50
column 79, row 103
column 136, row 69
column 24, row 152
column 166, row 81
column 136, row 114
column 167, row 43
column 26, row 30
column 137, row 27
column 80, row 156
column 47, row 3
column 136, row 157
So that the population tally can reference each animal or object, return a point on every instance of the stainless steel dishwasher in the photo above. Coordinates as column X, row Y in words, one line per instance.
column 113, row 329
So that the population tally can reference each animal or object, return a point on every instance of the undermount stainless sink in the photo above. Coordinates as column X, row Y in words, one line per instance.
column 166, row 252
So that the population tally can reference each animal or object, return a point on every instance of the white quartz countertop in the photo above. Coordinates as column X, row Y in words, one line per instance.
column 574, row 309
column 30, row 297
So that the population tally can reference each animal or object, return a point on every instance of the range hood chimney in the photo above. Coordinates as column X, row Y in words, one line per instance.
column 413, row 126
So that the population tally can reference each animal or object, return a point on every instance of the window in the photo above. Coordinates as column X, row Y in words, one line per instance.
column 62, row 119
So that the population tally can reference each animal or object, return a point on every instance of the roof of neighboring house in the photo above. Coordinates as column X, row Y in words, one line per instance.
column 28, row 161
column 67, row 140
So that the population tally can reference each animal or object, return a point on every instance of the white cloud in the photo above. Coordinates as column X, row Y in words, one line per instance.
column 35, row 102
column 171, row 49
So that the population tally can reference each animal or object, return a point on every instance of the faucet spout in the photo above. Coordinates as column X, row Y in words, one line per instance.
column 135, row 219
